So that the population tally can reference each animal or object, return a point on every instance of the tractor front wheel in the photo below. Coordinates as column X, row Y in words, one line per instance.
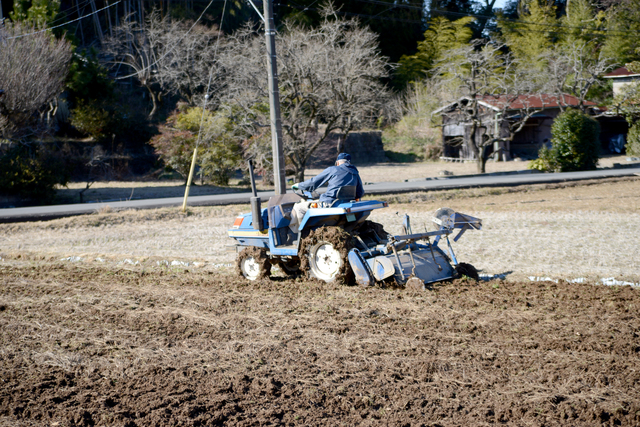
column 325, row 255
column 253, row 263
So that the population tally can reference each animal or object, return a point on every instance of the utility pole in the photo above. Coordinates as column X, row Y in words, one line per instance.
column 280, row 182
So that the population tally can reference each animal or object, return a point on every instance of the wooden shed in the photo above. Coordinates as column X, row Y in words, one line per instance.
column 497, row 114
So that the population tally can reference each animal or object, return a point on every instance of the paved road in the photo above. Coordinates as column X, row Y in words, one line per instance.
column 489, row 180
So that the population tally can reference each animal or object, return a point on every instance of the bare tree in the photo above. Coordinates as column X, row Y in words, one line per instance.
column 575, row 70
column 190, row 59
column 164, row 55
column 32, row 73
column 329, row 80
column 497, row 97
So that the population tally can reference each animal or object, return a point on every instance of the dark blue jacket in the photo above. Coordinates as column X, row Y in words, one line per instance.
column 336, row 176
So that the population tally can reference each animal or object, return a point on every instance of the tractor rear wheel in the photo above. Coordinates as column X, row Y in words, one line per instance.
column 325, row 252
column 253, row 263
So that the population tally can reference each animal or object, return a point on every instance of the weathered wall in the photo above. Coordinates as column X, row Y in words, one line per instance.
column 364, row 147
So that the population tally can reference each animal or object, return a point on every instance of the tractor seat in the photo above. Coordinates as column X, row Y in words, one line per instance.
column 345, row 194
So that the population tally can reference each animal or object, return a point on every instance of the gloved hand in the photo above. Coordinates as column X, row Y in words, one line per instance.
column 295, row 186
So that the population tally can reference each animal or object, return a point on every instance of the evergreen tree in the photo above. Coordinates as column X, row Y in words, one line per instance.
column 576, row 63
column 583, row 23
column 623, row 26
column 35, row 13
column 442, row 35
column 575, row 143
column 533, row 34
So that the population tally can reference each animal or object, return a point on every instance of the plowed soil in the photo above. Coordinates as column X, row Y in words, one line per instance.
column 82, row 345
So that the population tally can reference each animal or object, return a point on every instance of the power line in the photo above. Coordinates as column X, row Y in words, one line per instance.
column 383, row 3
column 215, row 54
column 204, row 108
column 376, row 17
column 397, row 5
column 66, row 23
column 518, row 21
column 306, row 8
column 378, row 14
column 446, row 12
column 62, row 18
column 175, row 45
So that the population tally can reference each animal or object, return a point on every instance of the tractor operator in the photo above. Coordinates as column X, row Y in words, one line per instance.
column 340, row 175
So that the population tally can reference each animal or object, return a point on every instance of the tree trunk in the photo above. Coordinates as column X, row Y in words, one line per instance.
column 470, row 141
column 481, row 163
column 154, row 100
column 482, row 160
column 299, row 175
column 340, row 146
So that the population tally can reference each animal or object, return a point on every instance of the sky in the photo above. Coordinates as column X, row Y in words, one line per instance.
column 500, row 4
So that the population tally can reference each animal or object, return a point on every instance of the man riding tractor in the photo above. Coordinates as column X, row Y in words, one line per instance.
column 342, row 178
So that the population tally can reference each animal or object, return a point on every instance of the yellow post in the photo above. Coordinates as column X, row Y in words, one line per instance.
column 186, row 190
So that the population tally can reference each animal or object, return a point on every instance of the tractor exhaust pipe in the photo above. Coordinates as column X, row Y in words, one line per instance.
column 256, row 209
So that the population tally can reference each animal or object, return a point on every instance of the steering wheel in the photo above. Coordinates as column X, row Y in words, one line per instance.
column 306, row 194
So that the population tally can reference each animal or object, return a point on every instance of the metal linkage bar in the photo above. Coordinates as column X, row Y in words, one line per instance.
column 419, row 236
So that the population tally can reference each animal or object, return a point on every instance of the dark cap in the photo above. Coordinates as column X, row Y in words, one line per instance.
column 344, row 156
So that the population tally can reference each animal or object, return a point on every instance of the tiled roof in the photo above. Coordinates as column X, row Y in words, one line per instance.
column 620, row 72
column 541, row 100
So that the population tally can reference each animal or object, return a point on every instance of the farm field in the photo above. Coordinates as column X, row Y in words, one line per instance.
column 138, row 318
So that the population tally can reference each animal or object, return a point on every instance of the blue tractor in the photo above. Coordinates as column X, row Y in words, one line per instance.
column 339, row 243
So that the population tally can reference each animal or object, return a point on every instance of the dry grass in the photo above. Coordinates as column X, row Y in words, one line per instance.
column 398, row 172
column 133, row 190
column 563, row 231
column 386, row 172
column 147, row 235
